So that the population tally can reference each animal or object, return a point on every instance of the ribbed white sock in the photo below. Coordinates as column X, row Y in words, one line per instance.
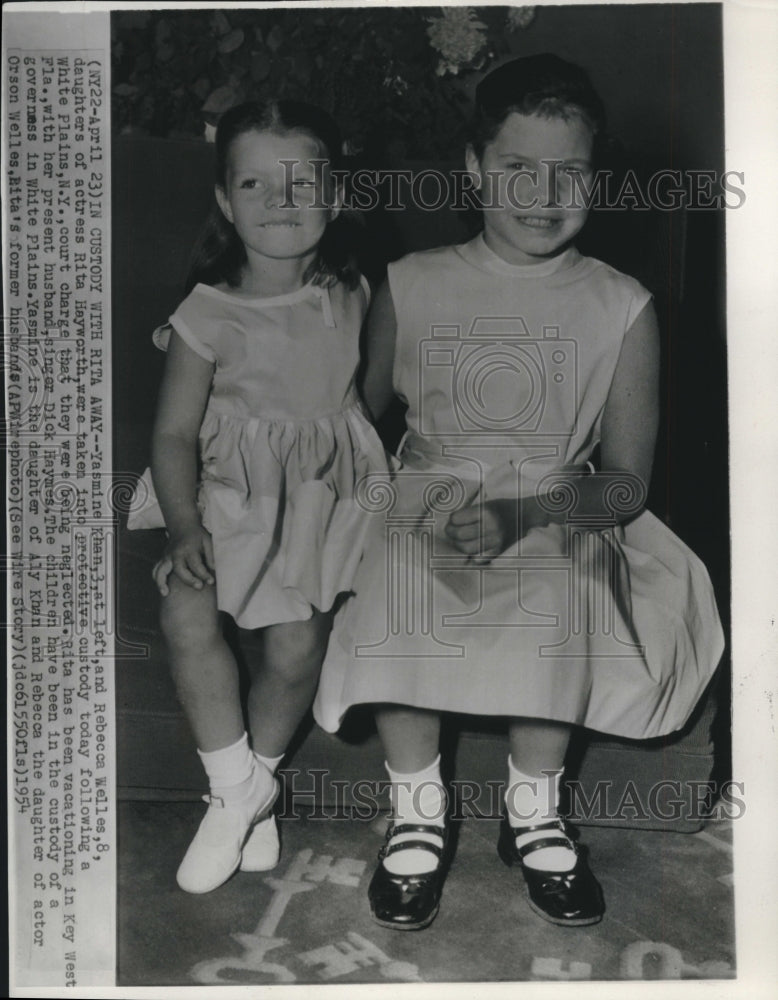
column 416, row 798
column 530, row 800
column 229, row 770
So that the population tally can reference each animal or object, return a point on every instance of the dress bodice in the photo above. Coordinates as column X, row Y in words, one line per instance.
column 507, row 367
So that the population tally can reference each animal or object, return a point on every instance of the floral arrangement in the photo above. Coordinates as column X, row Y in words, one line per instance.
column 462, row 38
column 394, row 77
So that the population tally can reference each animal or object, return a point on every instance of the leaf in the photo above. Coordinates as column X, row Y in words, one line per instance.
column 231, row 41
column 162, row 32
column 260, row 66
column 202, row 87
column 302, row 66
column 219, row 24
column 220, row 100
column 275, row 39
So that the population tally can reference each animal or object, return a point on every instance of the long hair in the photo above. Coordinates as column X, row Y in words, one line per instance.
column 219, row 254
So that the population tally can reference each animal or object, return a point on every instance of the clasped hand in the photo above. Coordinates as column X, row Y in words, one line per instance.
column 189, row 556
column 483, row 530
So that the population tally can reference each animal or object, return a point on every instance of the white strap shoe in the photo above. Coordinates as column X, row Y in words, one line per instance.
column 215, row 852
column 263, row 848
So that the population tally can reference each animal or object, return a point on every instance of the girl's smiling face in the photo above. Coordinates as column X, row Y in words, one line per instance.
column 526, row 173
column 275, row 194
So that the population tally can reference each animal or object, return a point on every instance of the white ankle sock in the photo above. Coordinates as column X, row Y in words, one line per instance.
column 530, row 800
column 271, row 763
column 266, row 828
column 416, row 798
column 262, row 848
column 229, row 769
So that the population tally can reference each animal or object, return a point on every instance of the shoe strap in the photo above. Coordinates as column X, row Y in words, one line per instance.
column 432, row 828
column 412, row 845
column 541, row 842
column 551, row 824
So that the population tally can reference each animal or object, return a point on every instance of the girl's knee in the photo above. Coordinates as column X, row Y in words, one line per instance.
column 294, row 666
column 298, row 640
column 295, row 651
column 189, row 618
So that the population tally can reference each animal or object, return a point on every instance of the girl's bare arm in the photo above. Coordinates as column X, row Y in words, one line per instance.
column 627, row 434
column 182, row 400
column 631, row 416
column 628, row 438
column 377, row 389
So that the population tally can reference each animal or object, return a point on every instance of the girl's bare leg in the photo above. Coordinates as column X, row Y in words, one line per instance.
column 538, row 749
column 203, row 667
column 561, row 887
column 284, row 682
column 411, row 739
column 538, row 745
column 410, row 736
column 206, row 677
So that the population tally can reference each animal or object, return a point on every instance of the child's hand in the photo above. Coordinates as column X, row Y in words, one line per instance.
column 483, row 530
column 190, row 557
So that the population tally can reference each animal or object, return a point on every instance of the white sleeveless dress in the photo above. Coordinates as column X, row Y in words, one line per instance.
column 506, row 371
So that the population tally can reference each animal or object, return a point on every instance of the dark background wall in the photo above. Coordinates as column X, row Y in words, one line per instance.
column 659, row 68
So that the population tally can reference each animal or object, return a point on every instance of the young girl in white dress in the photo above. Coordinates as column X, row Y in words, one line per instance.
column 502, row 579
column 259, row 390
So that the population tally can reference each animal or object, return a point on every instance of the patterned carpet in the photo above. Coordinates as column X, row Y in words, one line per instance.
column 668, row 897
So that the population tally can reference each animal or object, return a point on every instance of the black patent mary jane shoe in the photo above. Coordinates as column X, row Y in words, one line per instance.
column 569, row 899
column 407, row 902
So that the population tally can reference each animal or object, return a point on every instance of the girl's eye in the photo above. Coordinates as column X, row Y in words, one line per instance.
column 304, row 183
column 248, row 184
column 519, row 165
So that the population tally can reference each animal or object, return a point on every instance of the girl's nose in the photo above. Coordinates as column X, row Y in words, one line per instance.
column 274, row 195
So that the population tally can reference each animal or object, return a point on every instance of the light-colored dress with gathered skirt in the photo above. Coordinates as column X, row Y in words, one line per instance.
column 506, row 371
column 283, row 443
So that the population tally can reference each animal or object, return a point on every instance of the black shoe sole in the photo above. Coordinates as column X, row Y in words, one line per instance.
column 578, row 922
column 406, row 926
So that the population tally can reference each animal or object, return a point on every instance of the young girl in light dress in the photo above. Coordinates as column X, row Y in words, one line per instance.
column 259, row 389
column 503, row 578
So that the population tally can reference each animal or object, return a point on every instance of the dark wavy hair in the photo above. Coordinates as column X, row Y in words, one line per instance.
column 219, row 255
column 542, row 85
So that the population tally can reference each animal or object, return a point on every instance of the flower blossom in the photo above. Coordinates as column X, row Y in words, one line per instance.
column 520, row 17
column 458, row 36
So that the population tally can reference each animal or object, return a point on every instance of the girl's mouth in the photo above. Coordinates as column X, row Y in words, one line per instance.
column 537, row 222
column 278, row 225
